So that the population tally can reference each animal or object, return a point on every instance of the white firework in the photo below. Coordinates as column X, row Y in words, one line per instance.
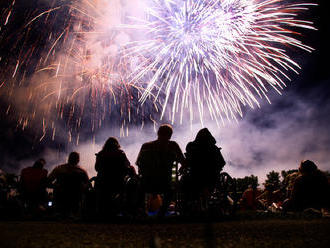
column 218, row 54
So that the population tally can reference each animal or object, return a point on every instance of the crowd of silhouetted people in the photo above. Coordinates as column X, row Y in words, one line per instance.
column 167, row 182
column 307, row 188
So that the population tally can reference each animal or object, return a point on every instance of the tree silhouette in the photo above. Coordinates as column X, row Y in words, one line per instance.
column 243, row 183
column 273, row 178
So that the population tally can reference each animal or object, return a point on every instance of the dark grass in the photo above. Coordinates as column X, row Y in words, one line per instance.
column 270, row 232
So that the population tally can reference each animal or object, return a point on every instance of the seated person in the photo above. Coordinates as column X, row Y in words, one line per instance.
column 310, row 189
column 112, row 168
column 205, row 162
column 32, row 185
column 70, row 184
column 270, row 196
column 289, row 181
column 249, row 198
column 155, row 162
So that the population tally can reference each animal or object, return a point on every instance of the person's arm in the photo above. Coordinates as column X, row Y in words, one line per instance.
column 127, row 163
column 44, row 179
column 97, row 162
column 52, row 177
column 139, row 160
column 221, row 161
column 179, row 156
column 86, row 183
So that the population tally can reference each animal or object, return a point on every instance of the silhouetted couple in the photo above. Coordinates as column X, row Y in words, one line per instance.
column 156, row 159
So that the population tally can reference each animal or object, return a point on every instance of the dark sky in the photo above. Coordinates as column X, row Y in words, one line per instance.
column 295, row 125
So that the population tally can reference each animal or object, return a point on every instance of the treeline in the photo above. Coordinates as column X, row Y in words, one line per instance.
column 276, row 179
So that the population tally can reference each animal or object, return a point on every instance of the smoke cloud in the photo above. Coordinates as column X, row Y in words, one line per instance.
column 275, row 137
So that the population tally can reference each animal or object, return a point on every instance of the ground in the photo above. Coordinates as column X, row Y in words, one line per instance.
column 235, row 233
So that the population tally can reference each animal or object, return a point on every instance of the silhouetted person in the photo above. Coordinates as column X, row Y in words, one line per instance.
column 155, row 162
column 249, row 198
column 112, row 167
column 310, row 189
column 32, row 185
column 70, row 184
column 289, row 182
column 269, row 196
column 204, row 161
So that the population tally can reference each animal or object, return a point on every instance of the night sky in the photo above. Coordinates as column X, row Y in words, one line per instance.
column 274, row 137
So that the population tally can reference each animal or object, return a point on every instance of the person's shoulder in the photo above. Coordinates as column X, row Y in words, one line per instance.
column 60, row 167
column 26, row 169
column 173, row 143
column 149, row 144
column 100, row 153
column 190, row 145
column 121, row 151
column 81, row 169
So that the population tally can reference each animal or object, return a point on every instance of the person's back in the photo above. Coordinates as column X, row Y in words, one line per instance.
column 111, row 167
column 155, row 162
column 249, row 198
column 204, row 160
column 70, row 184
column 310, row 189
column 33, row 182
column 69, row 178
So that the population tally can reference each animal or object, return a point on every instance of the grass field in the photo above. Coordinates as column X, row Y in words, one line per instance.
column 242, row 233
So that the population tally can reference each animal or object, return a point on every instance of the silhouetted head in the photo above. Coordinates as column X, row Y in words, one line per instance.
column 205, row 137
column 73, row 158
column 165, row 132
column 307, row 167
column 111, row 144
column 39, row 163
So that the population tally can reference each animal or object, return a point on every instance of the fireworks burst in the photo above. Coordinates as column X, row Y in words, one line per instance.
column 64, row 70
column 219, row 54
column 90, row 62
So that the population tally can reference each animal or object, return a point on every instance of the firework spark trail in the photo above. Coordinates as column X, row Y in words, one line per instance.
column 221, row 54
column 79, row 78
